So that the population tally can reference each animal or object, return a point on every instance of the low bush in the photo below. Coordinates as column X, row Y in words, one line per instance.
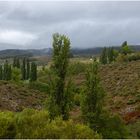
column 76, row 68
column 134, row 57
column 36, row 124
column 7, row 125
column 122, row 58
column 112, row 127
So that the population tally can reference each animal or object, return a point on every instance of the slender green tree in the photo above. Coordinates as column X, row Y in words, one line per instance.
column 1, row 72
column 7, row 72
column 103, row 57
column 59, row 94
column 110, row 54
column 93, row 112
column 16, row 62
column 93, row 97
column 33, row 73
column 28, row 69
column 125, row 49
column 23, row 69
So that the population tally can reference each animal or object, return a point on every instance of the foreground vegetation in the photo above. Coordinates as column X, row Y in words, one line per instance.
column 37, row 124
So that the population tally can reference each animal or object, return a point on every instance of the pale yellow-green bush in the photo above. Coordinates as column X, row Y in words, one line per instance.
column 36, row 124
column 7, row 125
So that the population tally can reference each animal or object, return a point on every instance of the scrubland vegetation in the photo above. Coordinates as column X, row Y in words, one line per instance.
column 71, row 98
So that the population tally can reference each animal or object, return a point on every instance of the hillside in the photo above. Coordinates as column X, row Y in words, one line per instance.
column 122, row 85
column 16, row 98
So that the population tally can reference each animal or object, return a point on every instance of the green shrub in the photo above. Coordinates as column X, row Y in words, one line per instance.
column 42, row 87
column 76, row 68
column 122, row 58
column 7, row 125
column 131, row 101
column 36, row 124
column 134, row 57
column 112, row 127
column 16, row 74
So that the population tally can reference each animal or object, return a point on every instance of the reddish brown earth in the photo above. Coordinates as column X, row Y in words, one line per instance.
column 121, row 83
column 16, row 98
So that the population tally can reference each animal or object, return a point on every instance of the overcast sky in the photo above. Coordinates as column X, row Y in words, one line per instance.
column 87, row 24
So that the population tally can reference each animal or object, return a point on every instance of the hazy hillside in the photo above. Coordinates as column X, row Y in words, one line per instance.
column 48, row 51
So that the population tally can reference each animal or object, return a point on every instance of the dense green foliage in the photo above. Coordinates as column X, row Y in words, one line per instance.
column 24, row 69
column 125, row 49
column 1, row 72
column 108, row 55
column 36, row 124
column 7, row 71
column 28, row 70
column 59, row 94
column 103, row 57
column 16, row 74
column 16, row 62
column 33, row 72
column 92, row 97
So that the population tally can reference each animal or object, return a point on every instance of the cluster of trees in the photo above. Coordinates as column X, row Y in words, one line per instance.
column 5, row 71
column 108, row 55
column 25, row 68
column 29, row 70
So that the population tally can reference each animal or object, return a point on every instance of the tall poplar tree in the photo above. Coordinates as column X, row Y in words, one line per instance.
column 110, row 54
column 28, row 69
column 59, row 101
column 103, row 57
column 1, row 72
column 33, row 73
column 23, row 69
column 93, row 97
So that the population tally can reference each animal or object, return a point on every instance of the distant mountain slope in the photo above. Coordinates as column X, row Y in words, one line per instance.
column 48, row 51
column 8, row 53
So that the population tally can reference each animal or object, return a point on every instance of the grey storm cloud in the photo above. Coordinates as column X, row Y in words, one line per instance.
column 87, row 24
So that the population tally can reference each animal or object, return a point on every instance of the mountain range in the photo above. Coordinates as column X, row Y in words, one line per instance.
column 87, row 51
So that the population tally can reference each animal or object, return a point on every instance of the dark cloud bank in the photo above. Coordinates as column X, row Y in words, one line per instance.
column 88, row 24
